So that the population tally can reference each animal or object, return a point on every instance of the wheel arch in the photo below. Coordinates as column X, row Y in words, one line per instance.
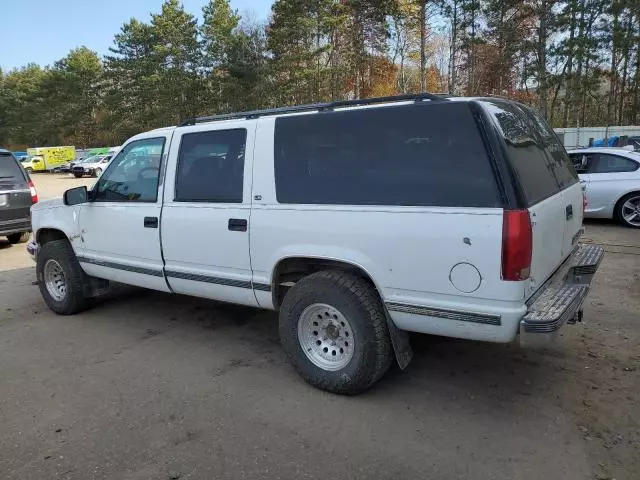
column 45, row 235
column 294, row 267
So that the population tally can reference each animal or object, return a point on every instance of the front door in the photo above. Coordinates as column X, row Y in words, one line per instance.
column 206, row 213
column 119, row 227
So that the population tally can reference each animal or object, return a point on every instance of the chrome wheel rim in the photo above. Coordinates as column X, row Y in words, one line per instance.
column 631, row 211
column 98, row 172
column 54, row 280
column 326, row 337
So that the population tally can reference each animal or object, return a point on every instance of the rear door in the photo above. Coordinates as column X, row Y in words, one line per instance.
column 548, row 183
column 206, row 212
column 15, row 196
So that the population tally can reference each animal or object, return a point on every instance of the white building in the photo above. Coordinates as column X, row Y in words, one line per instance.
column 579, row 137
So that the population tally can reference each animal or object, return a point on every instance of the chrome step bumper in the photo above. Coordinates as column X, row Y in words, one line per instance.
column 587, row 259
column 560, row 301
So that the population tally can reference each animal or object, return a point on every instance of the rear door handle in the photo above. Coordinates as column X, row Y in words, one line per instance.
column 150, row 222
column 237, row 225
column 569, row 212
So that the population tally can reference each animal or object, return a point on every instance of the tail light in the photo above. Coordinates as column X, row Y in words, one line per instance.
column 517, row 245
column 34, row 194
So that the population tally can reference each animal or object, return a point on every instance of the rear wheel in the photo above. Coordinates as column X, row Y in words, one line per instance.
column 61, row 279
column 628, row 210
column 29, row 170
column 18, row 237
column 333, row 328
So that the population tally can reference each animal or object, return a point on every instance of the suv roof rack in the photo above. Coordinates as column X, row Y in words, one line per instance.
column 320, row 107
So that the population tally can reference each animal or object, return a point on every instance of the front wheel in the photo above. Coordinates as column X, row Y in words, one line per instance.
column 29, row 170
column 18, row 237
column 78, row 175
column 61, row 279
column 333, row 328
column 628, row 210
column 98, row 172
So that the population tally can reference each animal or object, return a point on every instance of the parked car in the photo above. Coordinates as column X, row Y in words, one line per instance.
column 17, row 194
column 67, row 167
column 358, row 221
column 611, row 177
column 92, row 166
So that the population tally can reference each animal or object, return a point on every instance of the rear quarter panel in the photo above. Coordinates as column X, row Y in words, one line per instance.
column 409, row 252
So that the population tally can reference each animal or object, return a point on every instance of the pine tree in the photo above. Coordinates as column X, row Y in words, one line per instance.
column 178, row 57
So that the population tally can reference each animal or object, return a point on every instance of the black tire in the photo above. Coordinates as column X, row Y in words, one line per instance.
column 74, row 300
column 97, row 172
column 18, row 237
column 618, row 210
column 360, row 304
column 78, row 175
column 29, row 170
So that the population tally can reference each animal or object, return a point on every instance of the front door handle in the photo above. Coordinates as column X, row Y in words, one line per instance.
column 150, row 222
column 237, row 225
column 569, row 212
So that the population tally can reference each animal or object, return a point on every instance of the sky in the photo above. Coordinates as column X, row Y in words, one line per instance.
column 43, row 31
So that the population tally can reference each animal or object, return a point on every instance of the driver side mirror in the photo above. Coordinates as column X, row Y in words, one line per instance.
column 76, row 196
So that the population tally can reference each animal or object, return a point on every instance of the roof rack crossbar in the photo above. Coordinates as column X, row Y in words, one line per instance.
column 320, row 107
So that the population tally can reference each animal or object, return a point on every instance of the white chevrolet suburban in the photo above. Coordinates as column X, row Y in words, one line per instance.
column 358, row 221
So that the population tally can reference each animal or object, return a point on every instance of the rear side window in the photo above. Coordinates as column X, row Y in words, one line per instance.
column 537, row 157
column 614, row 164
column 211, row 166
column 411, row 155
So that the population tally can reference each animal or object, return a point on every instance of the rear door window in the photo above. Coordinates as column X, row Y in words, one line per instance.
column 535, row 153
column 211, row 166
column 409, row 155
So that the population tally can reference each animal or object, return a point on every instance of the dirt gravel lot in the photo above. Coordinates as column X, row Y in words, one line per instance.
column 153, row 386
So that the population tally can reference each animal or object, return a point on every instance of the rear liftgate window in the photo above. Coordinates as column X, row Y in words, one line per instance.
column 538, row 158
column 9, row 168
column 410, row 155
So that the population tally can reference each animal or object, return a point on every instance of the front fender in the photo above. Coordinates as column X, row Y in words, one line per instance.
column 61, row 218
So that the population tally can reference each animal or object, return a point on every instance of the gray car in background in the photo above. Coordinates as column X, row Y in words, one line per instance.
column 17, row 194
column 611, row 177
